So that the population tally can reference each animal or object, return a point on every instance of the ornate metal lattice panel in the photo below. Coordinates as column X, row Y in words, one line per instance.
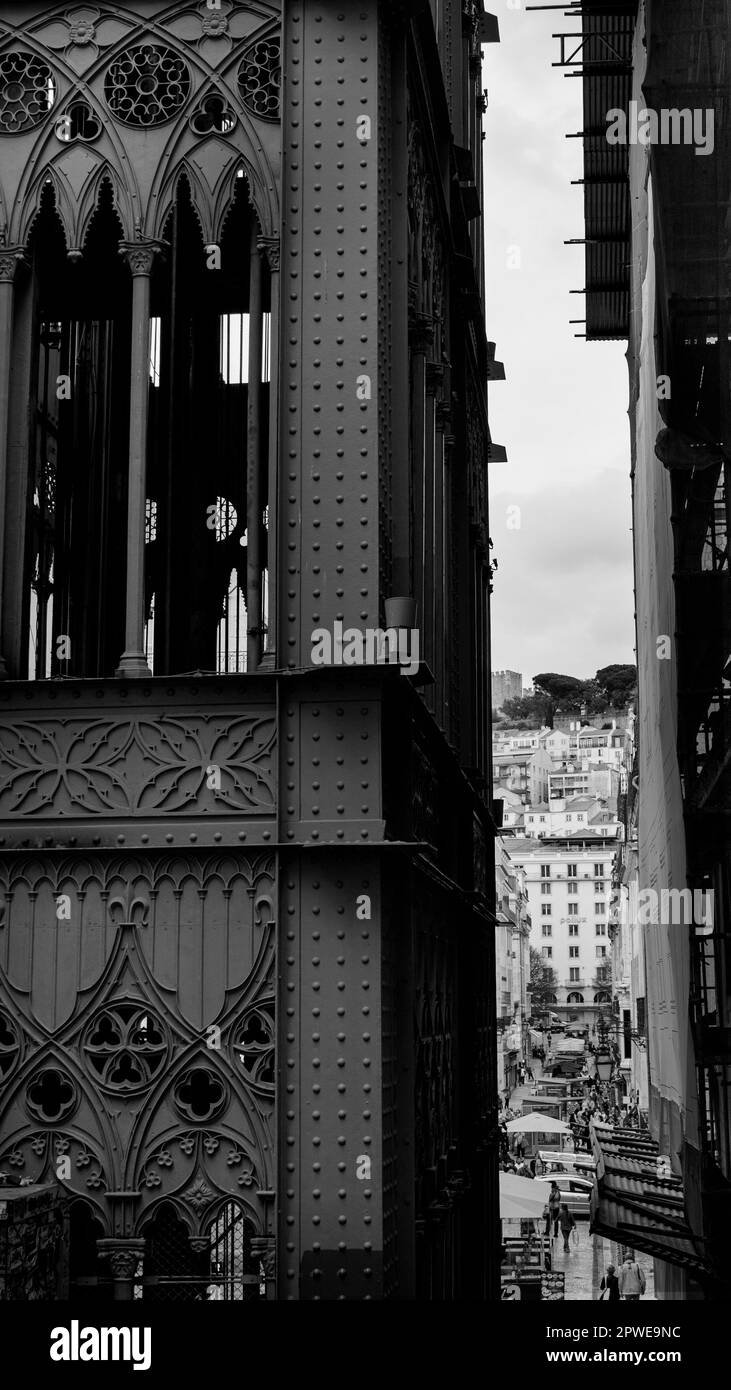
column 139, row 1059
column 27, row 91
column 260, row 78
column 220, row 1265
column 122, row 767
column 147, row 85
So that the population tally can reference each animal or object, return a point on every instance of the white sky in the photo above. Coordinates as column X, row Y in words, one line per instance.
column 563, row 591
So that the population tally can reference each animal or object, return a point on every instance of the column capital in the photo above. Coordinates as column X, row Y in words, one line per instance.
column 199, row 1244
column 421, row 332
column 10, row 258
column 269, row 246
column 124, row 1255
column 264, row 1248
column 434, row 377
column 140, row 255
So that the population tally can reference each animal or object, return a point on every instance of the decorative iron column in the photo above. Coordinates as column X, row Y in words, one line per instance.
column 264, row 1248
column 434, row 383
column 10, row 258
column 421, row 341
column 124, row 1256
column 140, row 256
column 443, row 442
column 253, row 463
column 269, row 247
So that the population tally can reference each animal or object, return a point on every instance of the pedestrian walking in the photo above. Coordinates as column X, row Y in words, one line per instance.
column 610, row 1286
column 547, row 1219
column 520, row 1145
column 631, row 1280
column 554, row 1203
column 567, row 1224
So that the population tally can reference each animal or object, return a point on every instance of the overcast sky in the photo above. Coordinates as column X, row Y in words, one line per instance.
column 563, row 591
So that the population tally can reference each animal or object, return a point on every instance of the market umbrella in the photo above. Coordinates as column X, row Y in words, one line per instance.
column 535, row 1123
column 520, row 1197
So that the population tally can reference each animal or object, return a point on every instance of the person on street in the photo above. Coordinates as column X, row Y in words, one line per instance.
column 547, row 1219
column 611, row 1283
column 567, row 1224
column 631, row 1280
column 519, row 1145
column 554, row 1203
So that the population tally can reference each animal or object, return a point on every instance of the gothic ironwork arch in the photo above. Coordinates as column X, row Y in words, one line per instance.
column 213, row 204
column 76, row 211
column 47, row 151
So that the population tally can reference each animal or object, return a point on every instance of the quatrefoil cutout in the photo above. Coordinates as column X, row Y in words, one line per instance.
column 51, row 1096
column 213, row 116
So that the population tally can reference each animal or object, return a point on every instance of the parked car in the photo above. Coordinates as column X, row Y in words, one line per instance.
column 557, row 1161
column 575, row 1191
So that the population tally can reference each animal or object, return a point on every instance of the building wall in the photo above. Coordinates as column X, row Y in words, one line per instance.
column 506, row 685
column 552, row 892
column 673, row 1109
column 662, row 859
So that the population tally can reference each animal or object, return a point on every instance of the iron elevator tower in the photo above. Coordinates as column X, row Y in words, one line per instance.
column 247, row 1005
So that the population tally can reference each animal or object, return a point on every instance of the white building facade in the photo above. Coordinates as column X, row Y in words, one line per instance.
column 569, row 888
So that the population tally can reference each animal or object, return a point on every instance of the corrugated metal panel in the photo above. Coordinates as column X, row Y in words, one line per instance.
column 607, row 32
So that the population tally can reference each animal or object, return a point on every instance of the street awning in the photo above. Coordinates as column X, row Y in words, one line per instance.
column 636, row 1201
column 521, row 1197
column 536, row 1123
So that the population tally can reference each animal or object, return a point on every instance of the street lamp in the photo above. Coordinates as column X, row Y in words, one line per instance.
column 603, row 1060
column 604, row 1064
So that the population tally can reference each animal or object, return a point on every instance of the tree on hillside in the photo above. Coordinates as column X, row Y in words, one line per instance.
column 535, row 707
column 570, row 695
column 543, row 983
column 617, row 684
column 564, row 692
column 561, row 694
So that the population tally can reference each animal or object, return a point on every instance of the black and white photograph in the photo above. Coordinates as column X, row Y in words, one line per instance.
column 365, row 678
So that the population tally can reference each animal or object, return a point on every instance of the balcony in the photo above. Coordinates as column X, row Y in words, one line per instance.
column 707, row 756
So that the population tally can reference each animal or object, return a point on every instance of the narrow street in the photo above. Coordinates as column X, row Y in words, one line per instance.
column 587, row 1262
column 585, row 1266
